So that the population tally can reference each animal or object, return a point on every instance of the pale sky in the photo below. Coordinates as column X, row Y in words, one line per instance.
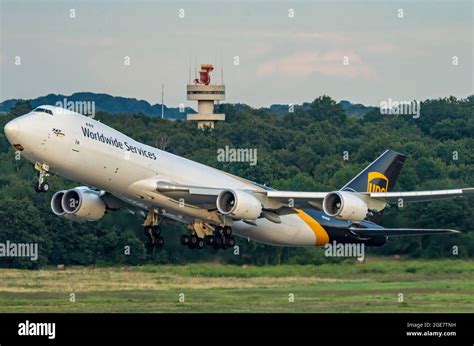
column 281, row 59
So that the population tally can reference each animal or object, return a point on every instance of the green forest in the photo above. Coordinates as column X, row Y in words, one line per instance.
column 301, row 150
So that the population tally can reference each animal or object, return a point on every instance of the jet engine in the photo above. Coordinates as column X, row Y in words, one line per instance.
column 78, row 204
column 239, row 204
column 345, row 205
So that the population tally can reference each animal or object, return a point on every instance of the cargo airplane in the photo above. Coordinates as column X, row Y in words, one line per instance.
column 121, row 173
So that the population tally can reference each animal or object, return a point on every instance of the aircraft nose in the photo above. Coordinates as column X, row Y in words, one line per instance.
column 12, row 130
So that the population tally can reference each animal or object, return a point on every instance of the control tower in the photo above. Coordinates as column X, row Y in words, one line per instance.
column 205, row 95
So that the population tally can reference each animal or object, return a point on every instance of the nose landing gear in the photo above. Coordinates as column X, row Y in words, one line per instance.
column 42, row 185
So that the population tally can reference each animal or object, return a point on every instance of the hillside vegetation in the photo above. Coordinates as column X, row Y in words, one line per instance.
column 296, row 151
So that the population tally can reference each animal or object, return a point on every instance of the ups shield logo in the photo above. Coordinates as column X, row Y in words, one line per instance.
column 377, row 182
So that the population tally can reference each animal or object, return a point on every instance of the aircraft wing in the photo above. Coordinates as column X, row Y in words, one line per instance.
column 419, row 196
column 297, row 199
column 369, row 232
column 205, row 197
column 276, row 199
column 283, row 202
column 315, row 199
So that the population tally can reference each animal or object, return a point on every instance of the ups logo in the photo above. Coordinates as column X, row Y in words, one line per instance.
column 377, row 182
column 58, row 132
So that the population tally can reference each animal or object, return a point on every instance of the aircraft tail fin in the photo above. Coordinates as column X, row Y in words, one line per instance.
column 380, row 176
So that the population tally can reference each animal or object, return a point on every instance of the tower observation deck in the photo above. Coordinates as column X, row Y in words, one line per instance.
column 205, row 94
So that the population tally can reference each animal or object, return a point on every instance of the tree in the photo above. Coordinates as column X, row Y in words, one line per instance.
column 326, row 108
column 23, row 224
column 296, row 151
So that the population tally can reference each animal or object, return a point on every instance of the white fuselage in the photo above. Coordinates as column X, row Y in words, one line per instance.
column 84, row 150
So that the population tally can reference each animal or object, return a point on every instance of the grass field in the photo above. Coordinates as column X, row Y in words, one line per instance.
column 427, row 286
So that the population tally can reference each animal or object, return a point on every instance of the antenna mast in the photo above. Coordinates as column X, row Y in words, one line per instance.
column 195, row 66
column 189, row 80
column 162, row 101
column 222, row 70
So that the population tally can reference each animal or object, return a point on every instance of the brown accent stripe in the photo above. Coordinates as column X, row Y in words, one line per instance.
column 322, row 236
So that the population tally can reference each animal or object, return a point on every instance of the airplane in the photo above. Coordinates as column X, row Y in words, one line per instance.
column 121, row 173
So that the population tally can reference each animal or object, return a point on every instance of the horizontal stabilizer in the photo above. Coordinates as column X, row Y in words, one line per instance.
column 369, row 232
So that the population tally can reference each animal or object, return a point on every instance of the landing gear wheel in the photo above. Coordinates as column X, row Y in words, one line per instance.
column 147, row 231
column 217, row 242
column 159, row 241
column 156, row 230
column 219, row 231
column 230, row 241
column 44, row 187
column 193, row 240
column 227, row 231
column 185, row 240
column 152, row 239
column 209, row 240
column 200, row 244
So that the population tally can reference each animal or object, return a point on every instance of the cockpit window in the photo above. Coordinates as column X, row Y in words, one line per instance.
column 43, row 110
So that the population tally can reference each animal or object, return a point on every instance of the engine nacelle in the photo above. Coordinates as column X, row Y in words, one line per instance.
column 239, row 204
column 345, row 205
column 78, row 204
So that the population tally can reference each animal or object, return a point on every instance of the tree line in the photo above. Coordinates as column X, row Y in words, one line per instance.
column 316, row 148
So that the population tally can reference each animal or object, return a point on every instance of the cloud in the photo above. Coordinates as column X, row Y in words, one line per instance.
column 304, row 64
column 382, row 48
column 331, row 36
column 323, row 36
column 259, row 50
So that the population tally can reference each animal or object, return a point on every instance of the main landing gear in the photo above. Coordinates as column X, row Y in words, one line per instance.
column 192, row 241
column 221, row 239
column 152, row 230
column 42, row 185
